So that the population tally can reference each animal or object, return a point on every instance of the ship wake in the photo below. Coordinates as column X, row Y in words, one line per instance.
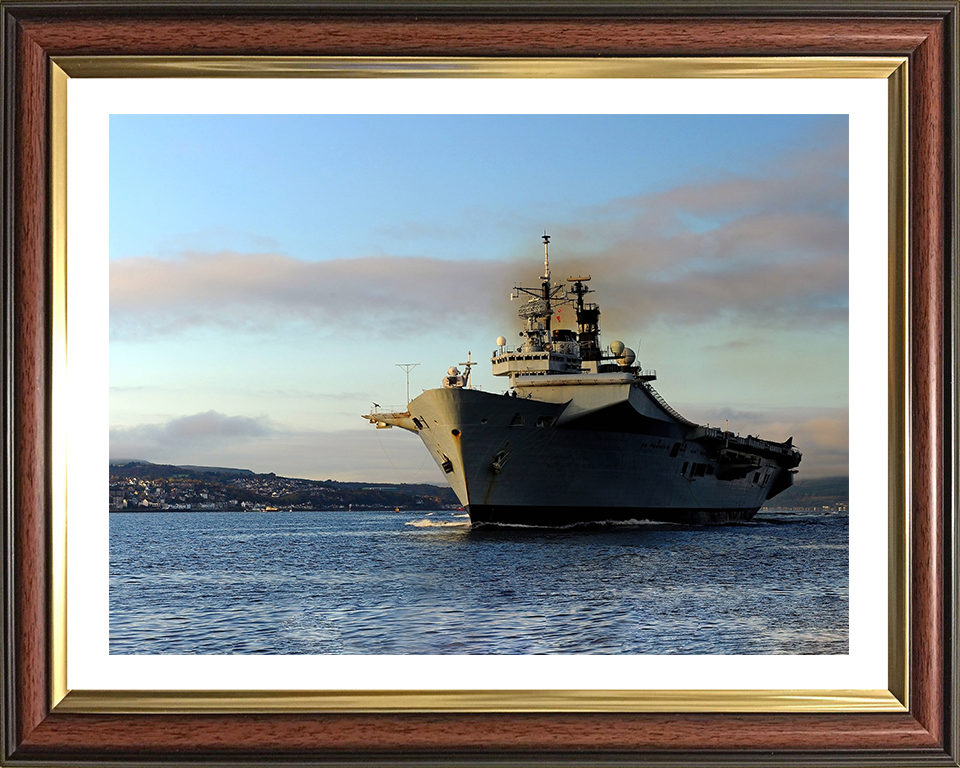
column 426, row 523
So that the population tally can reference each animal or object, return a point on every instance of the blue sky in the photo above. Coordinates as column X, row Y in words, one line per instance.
column 268, row 272
column 322, row 187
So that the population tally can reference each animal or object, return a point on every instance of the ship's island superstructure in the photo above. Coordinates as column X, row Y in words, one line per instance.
column 581, row 435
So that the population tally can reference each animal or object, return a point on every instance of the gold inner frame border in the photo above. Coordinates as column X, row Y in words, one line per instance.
column 894, row 699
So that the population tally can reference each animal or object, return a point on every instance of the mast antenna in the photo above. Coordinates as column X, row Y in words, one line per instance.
column 407, row 367
column 546, row 256
column 467, row 365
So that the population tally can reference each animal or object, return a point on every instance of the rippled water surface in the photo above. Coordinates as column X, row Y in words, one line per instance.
column 384, row 582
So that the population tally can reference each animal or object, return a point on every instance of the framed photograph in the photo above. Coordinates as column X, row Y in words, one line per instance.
column 880, row 83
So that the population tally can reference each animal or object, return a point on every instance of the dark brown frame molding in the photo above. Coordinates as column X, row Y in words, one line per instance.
column 34, row 32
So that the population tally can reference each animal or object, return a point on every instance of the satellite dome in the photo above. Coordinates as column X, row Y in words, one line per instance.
column 501, row 341
column 617, row 347
column 453, row 371
column 626, row 357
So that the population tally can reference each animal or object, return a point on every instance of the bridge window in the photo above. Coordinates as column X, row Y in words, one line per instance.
column 675, row 451
column 683, row 471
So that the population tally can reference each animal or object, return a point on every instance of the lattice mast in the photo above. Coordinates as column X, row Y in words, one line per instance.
column 537, row 311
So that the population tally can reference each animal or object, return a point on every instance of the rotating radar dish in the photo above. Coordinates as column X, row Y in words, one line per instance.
column 535, row 308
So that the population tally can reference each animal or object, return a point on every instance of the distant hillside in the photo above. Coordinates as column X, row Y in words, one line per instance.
column 122, row 465
column 146, row 470
column 218, row 470
column 141, row 485
column 816, row 492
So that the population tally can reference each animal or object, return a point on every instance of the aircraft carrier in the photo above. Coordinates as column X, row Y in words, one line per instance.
column 581, row 436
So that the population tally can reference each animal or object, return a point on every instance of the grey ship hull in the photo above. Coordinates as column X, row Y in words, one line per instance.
column 517, row 461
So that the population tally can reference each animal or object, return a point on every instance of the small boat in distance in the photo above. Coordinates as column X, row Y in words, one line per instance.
column 581, row 435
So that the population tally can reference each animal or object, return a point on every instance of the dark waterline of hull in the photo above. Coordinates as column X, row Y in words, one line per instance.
column 557, row 517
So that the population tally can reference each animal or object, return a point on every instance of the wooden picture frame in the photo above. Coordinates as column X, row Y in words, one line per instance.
column 38, row 730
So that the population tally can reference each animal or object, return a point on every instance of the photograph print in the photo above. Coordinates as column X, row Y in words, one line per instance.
column 479, row 384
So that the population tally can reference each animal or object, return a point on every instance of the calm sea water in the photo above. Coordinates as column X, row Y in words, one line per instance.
column 388, row 583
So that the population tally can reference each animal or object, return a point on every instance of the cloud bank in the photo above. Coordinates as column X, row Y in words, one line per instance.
column 198, row 430
column 216, row 439
column 773, row 245
column 770, row 247
column 265, row 292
